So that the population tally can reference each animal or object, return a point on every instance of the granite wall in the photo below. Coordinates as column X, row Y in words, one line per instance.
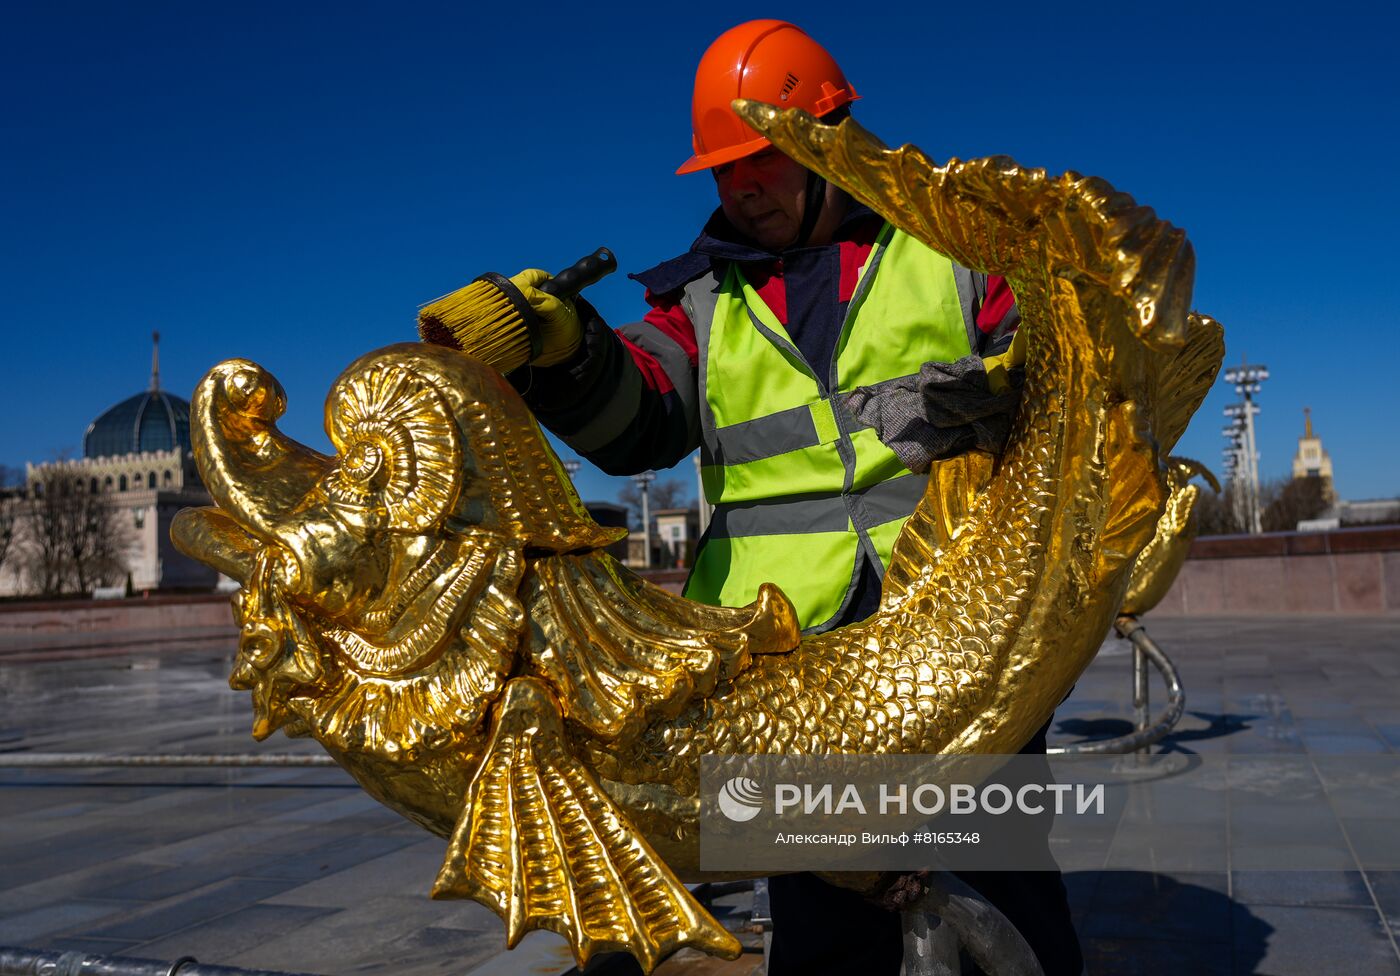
column 1344, row 571
column 136, row 614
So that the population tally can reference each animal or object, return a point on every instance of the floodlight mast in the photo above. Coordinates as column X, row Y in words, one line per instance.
column 1234, row 467
column 1247, row 379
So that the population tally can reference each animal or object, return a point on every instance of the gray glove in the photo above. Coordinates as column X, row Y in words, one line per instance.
column 943, row 410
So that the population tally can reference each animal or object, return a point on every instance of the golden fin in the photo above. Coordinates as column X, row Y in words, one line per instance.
column 1187, row 378
column 544, row 847
column 1137, row 488
column 1180, row 471
column 953, row 485
column 1161, row 559
column 624, row 654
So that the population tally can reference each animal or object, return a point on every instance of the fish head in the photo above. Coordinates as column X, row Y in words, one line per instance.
column 369, row 565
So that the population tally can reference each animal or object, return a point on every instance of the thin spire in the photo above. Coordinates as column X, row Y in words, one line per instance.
column 1307, row 422
column 155, row 362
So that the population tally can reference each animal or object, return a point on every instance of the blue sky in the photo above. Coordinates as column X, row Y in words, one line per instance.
column 287, row 182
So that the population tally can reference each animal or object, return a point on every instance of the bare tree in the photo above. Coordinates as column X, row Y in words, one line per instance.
column 1215, row 515
column 10, row 499
column 41, row 546
column 1293, row 501
column 73, row 539
column 670, row 493
column 1220, row 514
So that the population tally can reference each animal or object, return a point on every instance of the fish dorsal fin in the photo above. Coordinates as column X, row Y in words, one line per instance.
column 544, row 847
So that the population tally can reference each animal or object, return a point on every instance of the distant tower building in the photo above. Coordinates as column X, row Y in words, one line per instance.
column 1312, row 461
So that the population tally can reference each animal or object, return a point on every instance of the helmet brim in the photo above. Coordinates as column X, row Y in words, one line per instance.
column 721, row 156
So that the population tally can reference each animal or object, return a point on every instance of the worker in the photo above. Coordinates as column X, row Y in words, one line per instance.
column 820, row 360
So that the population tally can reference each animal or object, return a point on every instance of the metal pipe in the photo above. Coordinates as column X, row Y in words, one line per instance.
column 49, row 760
column 16, row 961
column 953, row 914
column 1140, row 692
column 931, row 946
column 1144, row 736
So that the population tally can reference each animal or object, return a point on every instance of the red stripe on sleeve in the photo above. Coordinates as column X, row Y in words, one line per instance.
column 652, row 374
column 667, row 317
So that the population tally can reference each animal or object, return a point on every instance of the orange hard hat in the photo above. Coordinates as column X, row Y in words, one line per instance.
column 769, row 61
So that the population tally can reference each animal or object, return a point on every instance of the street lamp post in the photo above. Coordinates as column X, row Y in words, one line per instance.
column 701, row 503
column 643, row 482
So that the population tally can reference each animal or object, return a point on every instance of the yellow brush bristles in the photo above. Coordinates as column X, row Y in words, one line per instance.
column 480, row 320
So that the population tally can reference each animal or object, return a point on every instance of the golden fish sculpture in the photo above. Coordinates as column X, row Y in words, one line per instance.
column 434, row 605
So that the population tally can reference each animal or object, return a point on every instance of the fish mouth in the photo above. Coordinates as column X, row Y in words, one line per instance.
column 418, row 601
column 405, row 625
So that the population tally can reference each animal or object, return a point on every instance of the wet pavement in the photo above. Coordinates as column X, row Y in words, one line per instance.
column 296, row 869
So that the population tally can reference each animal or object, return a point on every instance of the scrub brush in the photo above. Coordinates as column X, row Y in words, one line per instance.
column 491, row 320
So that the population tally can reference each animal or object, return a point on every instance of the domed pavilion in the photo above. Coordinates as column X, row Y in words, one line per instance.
column 139, row 451
column 149, row 422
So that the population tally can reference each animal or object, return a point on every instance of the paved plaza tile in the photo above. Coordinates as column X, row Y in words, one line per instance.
column 298, row 869
column 1297, row 688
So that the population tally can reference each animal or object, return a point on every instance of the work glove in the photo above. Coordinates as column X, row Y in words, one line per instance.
column 939, row 412
column 1002, row 369
column 561, row 331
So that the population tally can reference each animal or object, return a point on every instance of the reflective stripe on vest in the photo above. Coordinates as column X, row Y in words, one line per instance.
column 802, row 492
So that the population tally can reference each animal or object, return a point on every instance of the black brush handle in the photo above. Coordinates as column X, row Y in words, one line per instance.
column 581, row 274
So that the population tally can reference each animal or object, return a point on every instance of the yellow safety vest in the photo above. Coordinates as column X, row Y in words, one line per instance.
column 802, row 493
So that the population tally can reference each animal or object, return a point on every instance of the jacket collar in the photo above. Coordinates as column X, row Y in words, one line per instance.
column 719, row 239
column 720, row 243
